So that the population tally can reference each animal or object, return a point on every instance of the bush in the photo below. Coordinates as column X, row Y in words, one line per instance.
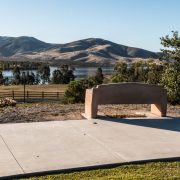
column 137, row 72
column 120, row 73
column 171, row 82
column 75, row 92
column 7, row 102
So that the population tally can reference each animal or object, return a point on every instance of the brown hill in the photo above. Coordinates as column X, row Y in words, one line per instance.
column 93, row 50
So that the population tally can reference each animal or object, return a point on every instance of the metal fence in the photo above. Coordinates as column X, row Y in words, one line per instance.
column 32, row 95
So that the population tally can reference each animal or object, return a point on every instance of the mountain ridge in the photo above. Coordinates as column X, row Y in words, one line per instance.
column 90, row 50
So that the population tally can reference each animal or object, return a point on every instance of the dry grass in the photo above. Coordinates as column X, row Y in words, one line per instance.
column 54, row 111
column 38, row 88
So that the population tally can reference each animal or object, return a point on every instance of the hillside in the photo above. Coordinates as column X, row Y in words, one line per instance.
column 93, row 50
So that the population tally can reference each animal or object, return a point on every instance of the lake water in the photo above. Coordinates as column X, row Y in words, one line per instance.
column 80, row 72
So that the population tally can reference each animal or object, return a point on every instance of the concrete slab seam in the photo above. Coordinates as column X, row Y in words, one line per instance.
column 12, row 153
column 101, row 144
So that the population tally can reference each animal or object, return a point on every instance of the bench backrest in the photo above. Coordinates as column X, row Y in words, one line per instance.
column 129, row 93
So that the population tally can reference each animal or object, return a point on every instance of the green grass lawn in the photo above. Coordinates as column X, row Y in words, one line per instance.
column 155, row 171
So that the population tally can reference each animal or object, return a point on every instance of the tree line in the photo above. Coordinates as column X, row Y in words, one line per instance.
column 62, row 75
column 7, row 65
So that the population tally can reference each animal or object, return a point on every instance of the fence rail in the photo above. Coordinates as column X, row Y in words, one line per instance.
column 32, row 95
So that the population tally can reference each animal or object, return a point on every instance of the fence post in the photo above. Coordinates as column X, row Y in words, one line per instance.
column 13, row 94
column 27, row 94
column 42, row 94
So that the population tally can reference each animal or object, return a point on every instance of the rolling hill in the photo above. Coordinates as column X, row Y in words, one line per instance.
column 92, row 50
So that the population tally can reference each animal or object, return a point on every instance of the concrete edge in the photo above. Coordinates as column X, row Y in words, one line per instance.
column 79, row 169
column 85, row 116
column 148, row 115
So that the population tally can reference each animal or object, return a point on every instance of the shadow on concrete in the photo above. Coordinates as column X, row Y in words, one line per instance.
column 168, row 123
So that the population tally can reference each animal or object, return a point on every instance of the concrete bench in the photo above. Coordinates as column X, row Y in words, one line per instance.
column 126, row 93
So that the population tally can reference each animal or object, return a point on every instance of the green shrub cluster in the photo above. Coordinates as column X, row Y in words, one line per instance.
column 170, row 80
column 140, row 71
column 75, row 92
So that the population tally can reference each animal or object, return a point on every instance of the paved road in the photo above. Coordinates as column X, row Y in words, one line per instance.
column 35, row 147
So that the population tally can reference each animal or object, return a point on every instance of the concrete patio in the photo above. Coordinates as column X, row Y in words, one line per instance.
column 46, row 146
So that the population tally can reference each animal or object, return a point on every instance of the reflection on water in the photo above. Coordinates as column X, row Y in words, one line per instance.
column 80, row 72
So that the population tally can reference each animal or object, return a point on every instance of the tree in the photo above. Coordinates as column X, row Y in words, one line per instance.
column 171, row 74
column 57, row 77
column 44, row 72
column 30, row 78
column 99, row 76
column 16, row 75
column 154, row 73
column 1, row 78
column 68, row 74
column 75, row 92
column 172, row 47
column 121, row 72
column 16, row 69
column 37, row 78
column 171, row 82
column 140, row 71
column 64, row 75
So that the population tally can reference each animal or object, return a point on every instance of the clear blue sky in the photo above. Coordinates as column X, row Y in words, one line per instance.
column 138, row 23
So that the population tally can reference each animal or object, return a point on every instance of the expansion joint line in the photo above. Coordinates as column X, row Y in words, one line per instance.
column 100, row 143
column 12, row 153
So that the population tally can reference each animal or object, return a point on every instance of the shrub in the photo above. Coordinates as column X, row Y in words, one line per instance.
column 7, row 102
column 120, row 73
column 171, row 82
column 75, row 92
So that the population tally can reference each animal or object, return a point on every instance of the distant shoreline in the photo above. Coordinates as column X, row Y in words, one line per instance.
column 71, row 63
